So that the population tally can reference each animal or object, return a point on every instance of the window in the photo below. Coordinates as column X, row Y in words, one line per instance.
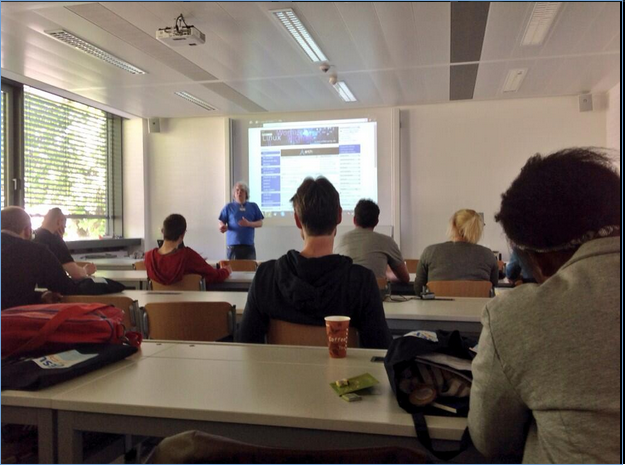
column 4, row 152
column 72, row 160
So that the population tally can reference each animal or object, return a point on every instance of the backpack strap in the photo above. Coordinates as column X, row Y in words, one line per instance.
column 57, row 320
column 423, row 435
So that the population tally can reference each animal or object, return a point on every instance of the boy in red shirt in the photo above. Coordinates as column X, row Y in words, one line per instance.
column 167, row 264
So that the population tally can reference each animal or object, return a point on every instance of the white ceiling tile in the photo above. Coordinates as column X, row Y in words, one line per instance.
column 334, row 39
column 389, row 53
column 363, row 25
column 433, row 24
column 504, row 29
column 573, row 20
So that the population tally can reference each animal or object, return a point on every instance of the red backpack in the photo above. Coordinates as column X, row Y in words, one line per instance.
column 60, row 326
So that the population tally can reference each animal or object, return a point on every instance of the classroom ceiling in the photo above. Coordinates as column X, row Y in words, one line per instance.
column 389, row 53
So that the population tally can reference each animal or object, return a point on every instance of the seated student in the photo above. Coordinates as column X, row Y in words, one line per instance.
column 51, row 234
column 461, row 258
column 304, row 287
column 26, row 265
column 516, row 269
column 169, row 263
column 370, row 249
column 547, row 375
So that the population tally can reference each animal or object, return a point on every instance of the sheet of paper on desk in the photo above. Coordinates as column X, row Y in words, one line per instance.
column 447, row 360
column 99, row 280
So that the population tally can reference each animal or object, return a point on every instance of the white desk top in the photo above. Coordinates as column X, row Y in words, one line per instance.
column 123, row 275
column 241, row 276
column 142, row 276
column 43, row 398
column 458, row 309
column 251, row 384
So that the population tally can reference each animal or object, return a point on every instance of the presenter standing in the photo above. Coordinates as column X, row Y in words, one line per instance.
column 238, row 221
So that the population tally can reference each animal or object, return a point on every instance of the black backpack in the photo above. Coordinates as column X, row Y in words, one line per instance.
column 448, row 382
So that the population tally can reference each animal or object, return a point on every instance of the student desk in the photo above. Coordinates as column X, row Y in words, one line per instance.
column 459, row 313
column 138, row 279
column 35, row 407
column 112, row 264
column 463, row 314
column 272, row 395
column 237, row 281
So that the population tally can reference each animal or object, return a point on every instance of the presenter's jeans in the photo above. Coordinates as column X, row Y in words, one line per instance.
column 241, row 252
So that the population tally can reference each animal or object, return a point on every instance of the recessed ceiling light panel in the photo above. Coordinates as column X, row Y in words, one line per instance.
column 344, row 91
column 514, row 80
column 543, row 16
column 194, row 100
column 84, row 46
column 296, row 29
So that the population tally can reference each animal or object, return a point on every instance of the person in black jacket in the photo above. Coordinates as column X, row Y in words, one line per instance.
column 26, row 264
column 304, row 287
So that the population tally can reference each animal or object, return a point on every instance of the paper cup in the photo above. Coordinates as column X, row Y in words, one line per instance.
column 337, row 329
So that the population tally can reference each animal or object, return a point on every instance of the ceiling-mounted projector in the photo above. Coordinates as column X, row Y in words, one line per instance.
column 181, row 34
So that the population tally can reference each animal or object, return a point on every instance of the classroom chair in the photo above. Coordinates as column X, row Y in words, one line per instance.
column 285, row 333
column 189, row 321
column 196, row 447
column 461, row 288
column 411, row 265
column 139, row 266
column 239, row 264
column 188, row 282
column 130, row 306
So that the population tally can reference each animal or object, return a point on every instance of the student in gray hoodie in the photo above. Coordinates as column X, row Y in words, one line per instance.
column 304, row 287
column 547, row 375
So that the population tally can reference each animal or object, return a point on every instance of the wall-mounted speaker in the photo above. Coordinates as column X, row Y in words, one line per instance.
column 154, row 125
column 585, row 102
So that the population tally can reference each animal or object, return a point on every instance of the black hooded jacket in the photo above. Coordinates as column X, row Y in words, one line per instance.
column 305, row 290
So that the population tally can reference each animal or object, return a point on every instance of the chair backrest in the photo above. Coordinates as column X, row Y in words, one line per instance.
column 411, row 265
column 195, row 447
column 130, row 306
column 239, row 264
column 382, row 282
column 285, row 333
column 189, row 321
column 461, row 288
column 139, row 266
column 188, row 282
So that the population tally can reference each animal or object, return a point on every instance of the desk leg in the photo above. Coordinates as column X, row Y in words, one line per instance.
column 47, row 436
column 70, row 440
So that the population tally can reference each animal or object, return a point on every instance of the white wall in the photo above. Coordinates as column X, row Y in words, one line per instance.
column 465, row 154
column 135, row 178
column 613, row 119
column 453, row 155
column 186, row 170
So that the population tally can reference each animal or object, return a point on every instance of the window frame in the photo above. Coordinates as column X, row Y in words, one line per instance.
column 15, row 154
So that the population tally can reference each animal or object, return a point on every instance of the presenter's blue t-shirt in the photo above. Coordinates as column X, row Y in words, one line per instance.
column 231, row 214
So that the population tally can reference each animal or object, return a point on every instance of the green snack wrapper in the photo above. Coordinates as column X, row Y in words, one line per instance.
column 355, row 384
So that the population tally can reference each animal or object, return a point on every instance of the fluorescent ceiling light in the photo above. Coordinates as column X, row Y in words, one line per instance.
column 297, row 30
column 78, row 43
column 345, row 93
column 540, row 22
column 514, row 79
column 194, row 100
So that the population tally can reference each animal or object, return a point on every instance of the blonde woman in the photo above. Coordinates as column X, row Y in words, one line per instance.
column 461, row 258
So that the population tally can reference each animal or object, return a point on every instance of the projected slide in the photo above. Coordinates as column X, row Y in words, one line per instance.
column 281, row 155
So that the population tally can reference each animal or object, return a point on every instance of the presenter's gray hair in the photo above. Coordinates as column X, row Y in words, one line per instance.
column 245, row 188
